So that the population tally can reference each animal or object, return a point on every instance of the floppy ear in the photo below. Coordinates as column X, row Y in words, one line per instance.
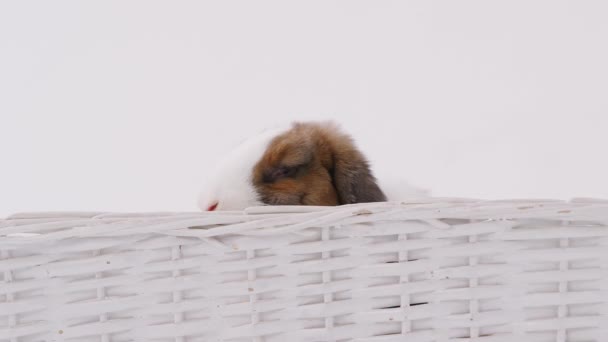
column 353, row 179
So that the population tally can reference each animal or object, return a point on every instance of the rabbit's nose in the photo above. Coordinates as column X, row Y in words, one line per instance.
column 213, row 206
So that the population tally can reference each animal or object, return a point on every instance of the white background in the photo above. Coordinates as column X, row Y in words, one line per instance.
column 123, row 105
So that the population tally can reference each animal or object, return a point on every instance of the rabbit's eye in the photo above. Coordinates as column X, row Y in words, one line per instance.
column 279, row 173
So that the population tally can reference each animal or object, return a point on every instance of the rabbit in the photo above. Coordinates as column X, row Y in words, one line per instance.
column 304, row 163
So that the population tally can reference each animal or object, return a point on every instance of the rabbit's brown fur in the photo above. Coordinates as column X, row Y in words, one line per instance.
column 314, row 164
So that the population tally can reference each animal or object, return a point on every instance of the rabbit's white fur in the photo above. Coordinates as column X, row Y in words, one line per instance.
column 230, row 187
column 396, row 189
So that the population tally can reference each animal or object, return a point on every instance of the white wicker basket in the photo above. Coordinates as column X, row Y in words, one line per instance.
column 440, row 270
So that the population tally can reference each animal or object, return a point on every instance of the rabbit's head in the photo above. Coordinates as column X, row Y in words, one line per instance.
column 307, row 163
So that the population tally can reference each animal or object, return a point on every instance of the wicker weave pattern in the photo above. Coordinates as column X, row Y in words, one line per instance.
column 441, row 270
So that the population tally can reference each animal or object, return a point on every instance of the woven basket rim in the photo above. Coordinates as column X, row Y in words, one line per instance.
column 48, row 227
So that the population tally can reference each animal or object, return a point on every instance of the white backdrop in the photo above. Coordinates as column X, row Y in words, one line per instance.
column 123, row 105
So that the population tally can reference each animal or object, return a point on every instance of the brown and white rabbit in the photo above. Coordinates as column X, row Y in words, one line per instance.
column 307, row 163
